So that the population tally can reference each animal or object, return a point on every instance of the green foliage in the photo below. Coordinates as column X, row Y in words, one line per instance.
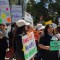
column 36, row 10
column 39, row 9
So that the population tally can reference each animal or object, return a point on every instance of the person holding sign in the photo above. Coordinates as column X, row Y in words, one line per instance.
column 44, row 45
column 21, row 31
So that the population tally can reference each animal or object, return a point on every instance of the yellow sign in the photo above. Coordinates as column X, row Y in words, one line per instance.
column 48, row 22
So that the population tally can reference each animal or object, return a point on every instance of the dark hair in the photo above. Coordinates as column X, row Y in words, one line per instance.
column 46, row 28
column 20, row 30
column 13, row 25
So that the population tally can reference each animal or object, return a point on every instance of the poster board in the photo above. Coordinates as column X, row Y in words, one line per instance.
column 16, row 12
column 5, row 16
column 29, row 46
column 54, row 45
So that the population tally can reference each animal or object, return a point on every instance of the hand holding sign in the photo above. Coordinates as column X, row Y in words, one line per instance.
column 47, row 47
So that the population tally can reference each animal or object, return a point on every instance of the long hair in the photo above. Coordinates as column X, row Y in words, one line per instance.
column 20, row 30
column 46, row 29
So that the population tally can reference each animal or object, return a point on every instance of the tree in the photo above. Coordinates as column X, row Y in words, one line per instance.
column 36, row 10
column 40, row 9
column 54, row 9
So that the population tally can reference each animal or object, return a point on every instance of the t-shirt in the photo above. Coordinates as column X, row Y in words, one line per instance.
column 45, row 40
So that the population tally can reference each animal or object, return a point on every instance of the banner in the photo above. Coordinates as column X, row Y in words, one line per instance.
column 5, row 12
column 16, row 12
column 29, row 46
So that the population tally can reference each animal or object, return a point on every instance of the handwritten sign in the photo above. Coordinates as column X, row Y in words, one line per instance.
column 29, row 46
column 4, row 11
column 55, row 45
column 16, row 12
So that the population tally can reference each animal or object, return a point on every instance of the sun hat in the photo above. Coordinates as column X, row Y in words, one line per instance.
column 40, row 26
column 21, row 23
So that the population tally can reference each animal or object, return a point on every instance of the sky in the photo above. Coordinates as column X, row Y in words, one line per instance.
column 39, row 1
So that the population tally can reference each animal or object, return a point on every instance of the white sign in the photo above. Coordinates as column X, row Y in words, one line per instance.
column 29, row 46
column 28, row 18
column 16, row 12
column 5, row 11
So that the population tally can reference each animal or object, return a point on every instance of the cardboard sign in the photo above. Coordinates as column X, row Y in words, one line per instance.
column 55, row 45
column 16, row 12
column 29, row 46
column 5, row 12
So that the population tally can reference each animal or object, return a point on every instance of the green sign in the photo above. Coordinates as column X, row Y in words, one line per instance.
column 32, row 51
column 29, row 46
column 54, row 45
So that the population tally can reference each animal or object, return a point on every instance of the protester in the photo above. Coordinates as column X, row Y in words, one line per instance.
column 44, row 45
column 3, row 43
column 41, row 20
column 11, row 33
column 58, row 36
column 3, row 29
column 40, row 30
column 21, row 31
column 29, row 29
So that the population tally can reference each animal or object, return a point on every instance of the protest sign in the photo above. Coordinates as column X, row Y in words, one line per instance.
column 28, row 18
column 55, row 45
column 5, row 11
column 29, row 46
column 48, row 22
column 16, row 12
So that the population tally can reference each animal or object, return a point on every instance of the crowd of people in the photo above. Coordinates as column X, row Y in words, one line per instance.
column 43, row 36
